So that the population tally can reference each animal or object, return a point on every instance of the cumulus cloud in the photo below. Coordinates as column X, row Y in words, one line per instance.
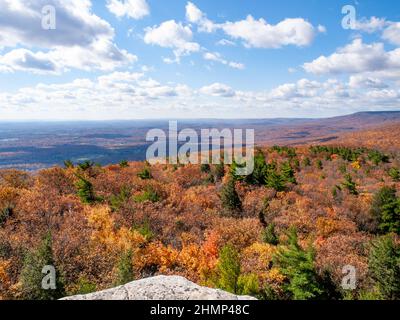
column 370, row 25
column 363, row 81
column 357, row 57
column 132, row 95
column 392, row 33
column 216, row 57
column 135, row 9
column 25, row 60
column 171, row 34
column 218, row 90
column 258, row 33
column 81, row 39
column 195, row 15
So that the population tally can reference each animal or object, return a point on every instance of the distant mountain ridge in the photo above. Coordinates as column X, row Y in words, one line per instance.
column 35, row 145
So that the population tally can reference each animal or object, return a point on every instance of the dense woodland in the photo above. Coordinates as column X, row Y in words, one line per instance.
column 284, row 232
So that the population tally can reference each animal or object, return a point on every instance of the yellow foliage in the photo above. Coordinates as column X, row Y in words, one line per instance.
column 105, row 233
column 356, row 165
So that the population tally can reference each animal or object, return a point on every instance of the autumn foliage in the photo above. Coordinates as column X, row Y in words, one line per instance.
column 113, row 224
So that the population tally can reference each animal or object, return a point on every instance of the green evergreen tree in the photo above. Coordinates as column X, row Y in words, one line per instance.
column 85, row 190
column 219, row 171
column 228, row 269
column 287, row 172
column 124, row 164
column 275, row 181
column 230, row 198
column 68, row 164
column 125, row 269
column 145, row 174
column 384, row 267
column 269, row 236
column 306, row 162
column 386, row 209
column 257, row 177
column 298, row 266
column 350, row 185
column 394, row 173
column 319, row 165
column 31, row 276
column 205, row 168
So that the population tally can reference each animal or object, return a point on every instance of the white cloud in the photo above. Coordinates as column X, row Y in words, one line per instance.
column 25, row 60
column 216, row 57
column 218, row 90
column 356, row 57
column 392, row 33
column 225, row 42
column 133, row 95
column 260, row 34
column 321, row 29
column 135, row 9
column 370, row 25
column 171, row 34
column 390, row 30
column 362, row 81
column 81, row 39
column 195, row 15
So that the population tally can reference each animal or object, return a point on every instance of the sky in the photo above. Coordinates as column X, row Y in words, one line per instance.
column 154, row 59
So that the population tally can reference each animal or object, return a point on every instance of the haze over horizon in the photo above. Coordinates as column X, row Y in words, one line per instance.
column 114, row 60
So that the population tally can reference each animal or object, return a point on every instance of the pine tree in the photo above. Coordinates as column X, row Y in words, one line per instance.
column 228, row 269
column 269, row 236
column 257, row 177
column 124, row 164
column 275, row 181
column 350, row 185
column 306, row 162
column 384, row 267
column 230, row 198
column 386, row 209
column 219, row 171
column 68, row 164
column 320, row 165
column 394, row 173
column 298, row 266
column 125, row 269
column 205, row 168
column 287, row 172
column 31, row 275
column 85, row 190
column 145, row 174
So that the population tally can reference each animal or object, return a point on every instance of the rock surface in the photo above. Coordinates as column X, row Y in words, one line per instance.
column 160, row 288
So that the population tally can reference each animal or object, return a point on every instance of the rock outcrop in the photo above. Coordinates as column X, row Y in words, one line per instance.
column 160, row 288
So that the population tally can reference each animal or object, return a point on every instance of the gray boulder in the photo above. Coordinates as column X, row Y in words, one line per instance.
column 160, row 288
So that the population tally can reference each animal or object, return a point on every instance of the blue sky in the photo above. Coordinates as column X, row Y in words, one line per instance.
column 129, row 59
